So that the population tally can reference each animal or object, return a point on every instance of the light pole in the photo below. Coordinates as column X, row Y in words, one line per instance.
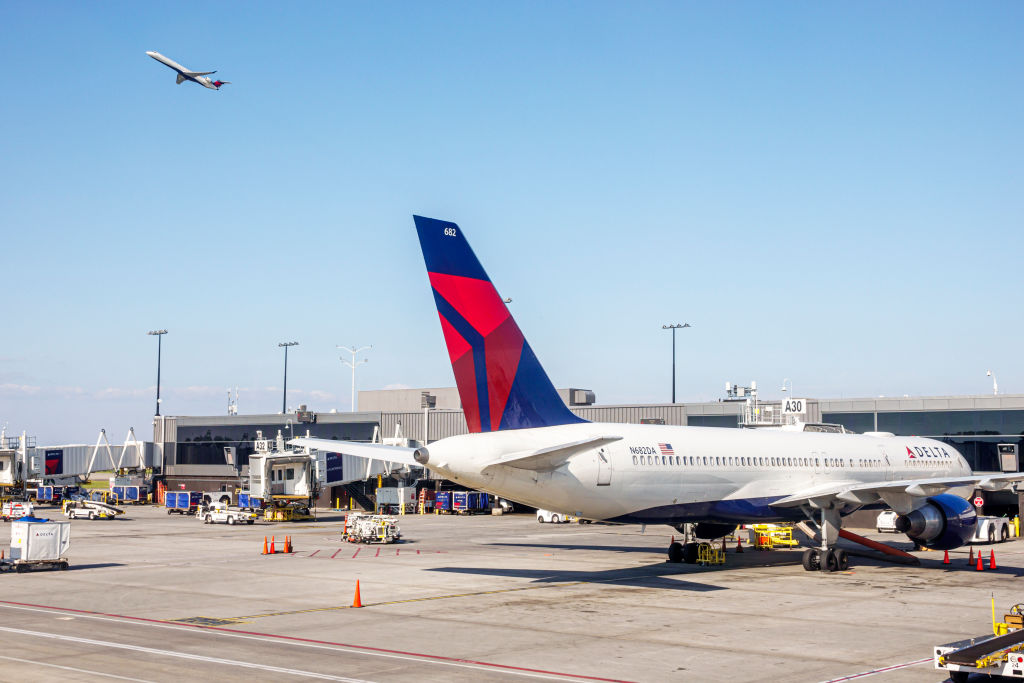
column 352, row 364
column 790, row 386
column 284, row 398
column 995, row 385
column 675, row 327
column 159, row 343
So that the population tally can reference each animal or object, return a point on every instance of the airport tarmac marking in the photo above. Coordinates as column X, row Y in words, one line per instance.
column 421, row 658
column 875, row 672
column 181, row 655
column 496, row 591
column 208, row 621
column 98, row 674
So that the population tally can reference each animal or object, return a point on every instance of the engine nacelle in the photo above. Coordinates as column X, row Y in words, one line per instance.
column 944, row 522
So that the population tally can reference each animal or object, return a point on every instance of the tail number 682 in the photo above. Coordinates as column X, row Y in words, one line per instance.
column 449, row 232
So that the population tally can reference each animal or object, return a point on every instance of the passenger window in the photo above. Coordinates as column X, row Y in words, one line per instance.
column 677, row 460
column 634, row 459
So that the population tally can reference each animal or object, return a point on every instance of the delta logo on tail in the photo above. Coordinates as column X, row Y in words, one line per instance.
column 500, row 380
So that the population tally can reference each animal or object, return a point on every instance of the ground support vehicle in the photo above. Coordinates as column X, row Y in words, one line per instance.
column 288, row 511
column 182, row 502
column 220, row 513
column 14, row 509
column 886, row 522
column 38, row 544
column 363, row 528
column 992, row 529
column 1000, row 655
column 90, row 509
column 552, row 517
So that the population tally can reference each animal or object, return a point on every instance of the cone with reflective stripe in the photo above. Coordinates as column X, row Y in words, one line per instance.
column 357, row 601
column 945, row 557
column 981, row 566
column 273, row 550
column 992, row 560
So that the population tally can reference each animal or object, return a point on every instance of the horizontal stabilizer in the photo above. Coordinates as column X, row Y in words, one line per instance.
column 193, row 74
column 373, row 451
column 551, row 457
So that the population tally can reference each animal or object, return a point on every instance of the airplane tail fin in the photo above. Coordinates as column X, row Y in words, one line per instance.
column 500, row 380
column 220, row 83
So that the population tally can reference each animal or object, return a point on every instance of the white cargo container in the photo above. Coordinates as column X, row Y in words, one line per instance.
column 40, row 542
column 396, row 496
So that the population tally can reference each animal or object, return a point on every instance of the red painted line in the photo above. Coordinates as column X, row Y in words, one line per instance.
column 314, row 552
column 873, row 672
column 335, row 553
column 365, row 648
column 417, row 552
column 396, row 552
column 357, row 551
column 378, row 553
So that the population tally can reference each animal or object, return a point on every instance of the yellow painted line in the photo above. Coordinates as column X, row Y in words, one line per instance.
column 408, row 600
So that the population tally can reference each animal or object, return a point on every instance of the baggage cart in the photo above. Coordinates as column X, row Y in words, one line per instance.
column 38, row 543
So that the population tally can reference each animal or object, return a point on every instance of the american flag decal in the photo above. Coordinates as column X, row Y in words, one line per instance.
column 666, row 449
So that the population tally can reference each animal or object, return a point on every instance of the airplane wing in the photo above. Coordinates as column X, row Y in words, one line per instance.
column 551, row 457
column 181, row 79
column 896, row 494
column 198, row 73
column 373, row 451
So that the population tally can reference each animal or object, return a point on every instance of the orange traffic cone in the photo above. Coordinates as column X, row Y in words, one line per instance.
column 265, row 546
column 739, row 545
column 970, row 560
column 273, row 550
column 357, row 601
column 980, row 567
column 945, row 557
column 992, row 560
column 287, row 544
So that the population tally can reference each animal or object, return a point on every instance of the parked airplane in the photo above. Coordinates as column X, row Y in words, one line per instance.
column 526, row 445
column 200, row 77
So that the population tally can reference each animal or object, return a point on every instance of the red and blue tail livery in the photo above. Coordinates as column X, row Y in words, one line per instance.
column 500, row 380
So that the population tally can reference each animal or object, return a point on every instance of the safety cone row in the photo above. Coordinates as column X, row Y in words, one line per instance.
column 357, row 601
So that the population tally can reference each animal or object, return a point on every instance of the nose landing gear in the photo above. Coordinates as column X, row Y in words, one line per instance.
column 830, row 560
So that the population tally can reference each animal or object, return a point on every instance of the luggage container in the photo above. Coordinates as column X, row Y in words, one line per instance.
column 38, row 543
column 247, row 501
column 460, row 502
column 443, row 502
column 182, row 502
column 396, row 499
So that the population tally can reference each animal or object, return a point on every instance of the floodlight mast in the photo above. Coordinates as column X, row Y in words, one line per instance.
column 159, row 339
column 352, row 364
column 674, row 327
column 284, row 398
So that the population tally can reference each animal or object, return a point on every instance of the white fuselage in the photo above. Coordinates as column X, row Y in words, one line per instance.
column 183, row 73
column 661, row 474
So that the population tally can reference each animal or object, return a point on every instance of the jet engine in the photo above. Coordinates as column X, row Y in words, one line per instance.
column 944, row 522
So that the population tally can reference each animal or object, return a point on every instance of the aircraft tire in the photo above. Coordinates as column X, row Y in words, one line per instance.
column 690, row 553
column 812, row 560
column 675, row 553
column 842, row 560
column 958, row 676
column 830, row 562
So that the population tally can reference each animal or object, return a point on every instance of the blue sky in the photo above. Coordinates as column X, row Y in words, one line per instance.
column 830, row 193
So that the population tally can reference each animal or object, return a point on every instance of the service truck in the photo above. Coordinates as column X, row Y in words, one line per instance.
column 220, row 513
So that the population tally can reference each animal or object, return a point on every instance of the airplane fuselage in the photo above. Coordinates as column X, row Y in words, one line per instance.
column 669, row 475
column 185, row 74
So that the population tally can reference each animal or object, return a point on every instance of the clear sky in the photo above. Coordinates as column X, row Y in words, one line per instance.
column 830, row 192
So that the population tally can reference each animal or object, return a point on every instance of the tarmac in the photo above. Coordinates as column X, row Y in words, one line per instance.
column 152, row 597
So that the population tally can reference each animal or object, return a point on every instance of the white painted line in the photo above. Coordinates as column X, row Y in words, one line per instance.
column 317, row 646
column 72, row 668
column 875, row 672
column 181, row 655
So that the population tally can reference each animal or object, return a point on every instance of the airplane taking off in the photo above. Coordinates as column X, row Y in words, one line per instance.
column 200, row 77
column 526, row 445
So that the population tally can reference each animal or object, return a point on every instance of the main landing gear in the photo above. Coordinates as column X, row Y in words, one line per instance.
column 827, row 558
column 683, row 552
